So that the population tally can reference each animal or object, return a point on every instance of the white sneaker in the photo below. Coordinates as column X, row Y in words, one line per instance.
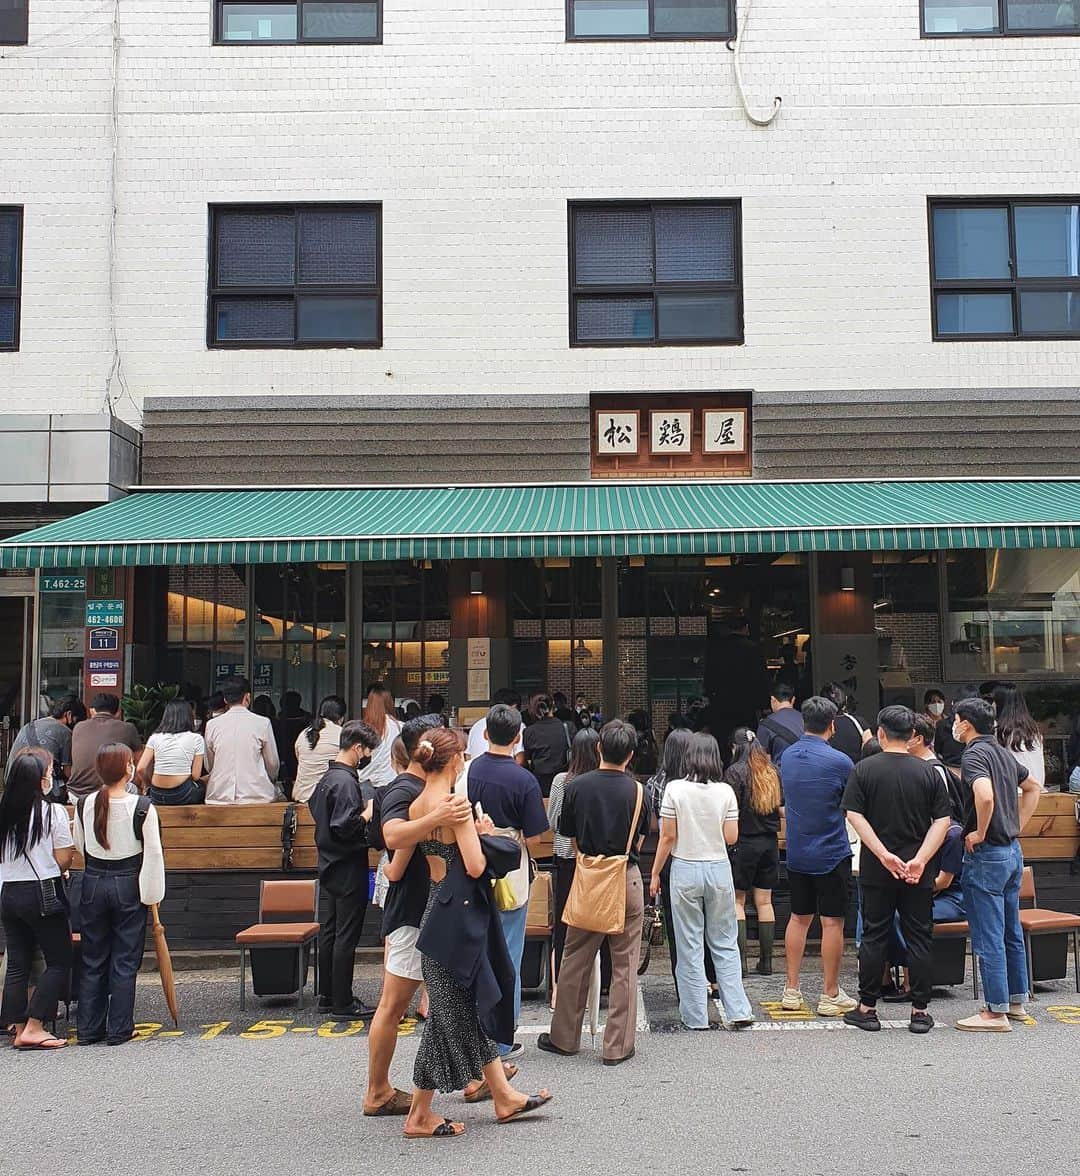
column 792, row 1000
column 836, row 1006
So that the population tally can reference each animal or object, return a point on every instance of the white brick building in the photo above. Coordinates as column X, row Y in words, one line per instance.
column 473, row 123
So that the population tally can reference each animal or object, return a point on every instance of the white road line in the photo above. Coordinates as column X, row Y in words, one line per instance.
column 642, row 1025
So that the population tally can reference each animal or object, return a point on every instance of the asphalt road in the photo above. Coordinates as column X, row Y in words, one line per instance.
column 275, row 1090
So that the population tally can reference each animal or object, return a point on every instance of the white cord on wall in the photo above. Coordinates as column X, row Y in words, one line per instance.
column 736, row 45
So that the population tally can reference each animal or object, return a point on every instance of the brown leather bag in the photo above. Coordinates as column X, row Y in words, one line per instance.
column 597, row 899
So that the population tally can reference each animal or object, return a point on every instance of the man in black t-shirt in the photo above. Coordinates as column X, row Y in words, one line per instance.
column 403, row 910
column 598, row 809
column 900, row 809
column 993, row 864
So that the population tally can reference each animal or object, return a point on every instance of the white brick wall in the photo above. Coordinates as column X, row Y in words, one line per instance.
column 474, row 123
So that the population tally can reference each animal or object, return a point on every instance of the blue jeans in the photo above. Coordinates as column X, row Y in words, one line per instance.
column 703, row 910
column 513, row 927
column 113, row 937
column 189, row 792
column 991, row 883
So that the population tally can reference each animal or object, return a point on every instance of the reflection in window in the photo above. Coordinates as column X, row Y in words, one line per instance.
column 952, row 18
column 906, row 616
column 1014, row 612
column 62, row 636
column 556, row 626
column 288, row 21
column 406, row 641
column 644, row 19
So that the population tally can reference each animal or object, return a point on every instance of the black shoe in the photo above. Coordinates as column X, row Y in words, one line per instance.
column 545, row 1043
column 355, row 1010
column 764, row 968
column 323, row 1004
column 921, row 1022
column 868, row 1021
column 90, row 1040
column 896, row 995
column 515, row 1051
column 619, row 1061
column 120, row 1040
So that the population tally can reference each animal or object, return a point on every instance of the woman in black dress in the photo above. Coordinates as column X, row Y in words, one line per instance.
column 454, row 1050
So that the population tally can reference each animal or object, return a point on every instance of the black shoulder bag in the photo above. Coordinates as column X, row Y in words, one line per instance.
column 52, row 898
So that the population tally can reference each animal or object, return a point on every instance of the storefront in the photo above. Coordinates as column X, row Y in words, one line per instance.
column 662, row 597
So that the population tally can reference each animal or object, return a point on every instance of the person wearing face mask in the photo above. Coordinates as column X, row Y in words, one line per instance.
column 120, row 840
column 945, row 747
column 342, row 805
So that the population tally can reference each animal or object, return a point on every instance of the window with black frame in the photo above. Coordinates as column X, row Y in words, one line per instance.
column 653, row 274
column 642, row 20
column 287, row 22
column 307, row 275
column 1000, row 18
column 14, row 22
column 10, row 276
column 1005, row 269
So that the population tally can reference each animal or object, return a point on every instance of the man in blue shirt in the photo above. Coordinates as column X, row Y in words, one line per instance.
column 818, row 854
column 510, row 795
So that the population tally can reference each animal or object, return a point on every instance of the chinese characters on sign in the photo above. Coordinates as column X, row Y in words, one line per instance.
column 671, row 432
column 616, row 433
column 724, row 430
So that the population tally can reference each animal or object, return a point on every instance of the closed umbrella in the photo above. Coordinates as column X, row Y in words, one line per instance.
column 164, row 964
column 594, row 998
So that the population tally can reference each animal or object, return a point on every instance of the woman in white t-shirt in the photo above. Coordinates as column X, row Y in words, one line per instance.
column 36, row 847
column 316, row 747
column 379, row 715
column 699, row 819
column 1018, row 732
column 175, row 754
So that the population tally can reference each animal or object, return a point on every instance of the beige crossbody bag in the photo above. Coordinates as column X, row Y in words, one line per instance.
column 597, row 900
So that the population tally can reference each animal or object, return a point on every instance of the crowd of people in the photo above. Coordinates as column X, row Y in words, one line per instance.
column 924, row 809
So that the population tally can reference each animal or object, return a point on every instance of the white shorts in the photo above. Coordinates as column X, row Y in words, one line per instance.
column 402, row 958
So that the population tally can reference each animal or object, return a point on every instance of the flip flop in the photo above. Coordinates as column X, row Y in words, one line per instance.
column 483, row 1092
column 47, row 1043
column 445, row 1130
column 533, row 1103
column 397, row 1104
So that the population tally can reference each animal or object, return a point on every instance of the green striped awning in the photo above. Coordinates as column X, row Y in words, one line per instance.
column 342, row 524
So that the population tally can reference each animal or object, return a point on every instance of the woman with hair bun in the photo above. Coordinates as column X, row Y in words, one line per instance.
column 455, row 1050
column 547, row 743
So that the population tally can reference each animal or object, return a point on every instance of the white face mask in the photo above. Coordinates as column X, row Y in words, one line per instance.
column 956, row 732
column 937, row 709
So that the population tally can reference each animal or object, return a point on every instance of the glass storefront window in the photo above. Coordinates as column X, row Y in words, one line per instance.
column 206, row 626
column 555, row 607
column 1013, row 612
column 407, row 628
column 62, row 635
column 906, row 617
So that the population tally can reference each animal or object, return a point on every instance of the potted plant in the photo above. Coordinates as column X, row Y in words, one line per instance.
column 145, row 705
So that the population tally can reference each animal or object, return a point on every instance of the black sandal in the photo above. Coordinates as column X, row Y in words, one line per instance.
column 445, row 1130
column 533, row 1103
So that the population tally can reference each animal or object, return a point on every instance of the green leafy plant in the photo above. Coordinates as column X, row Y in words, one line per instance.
column 145, row 705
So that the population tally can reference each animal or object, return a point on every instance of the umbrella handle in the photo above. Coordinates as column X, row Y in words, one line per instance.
column 155, row 917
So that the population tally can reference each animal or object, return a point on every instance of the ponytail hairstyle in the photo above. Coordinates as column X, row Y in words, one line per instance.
column 113, row 763
column 437, row 749
column 378, row 708
column 331, row 709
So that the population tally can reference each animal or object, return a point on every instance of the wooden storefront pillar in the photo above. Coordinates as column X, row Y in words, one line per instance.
column 844, row 643
column 482, row 618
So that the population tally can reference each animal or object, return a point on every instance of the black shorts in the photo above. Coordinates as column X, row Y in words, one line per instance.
column 755, row 863
column 821, row 894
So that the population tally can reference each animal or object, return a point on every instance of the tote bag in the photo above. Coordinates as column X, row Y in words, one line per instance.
column 597, row 900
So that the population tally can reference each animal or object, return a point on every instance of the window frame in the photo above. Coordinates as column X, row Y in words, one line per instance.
column 14, row 293
column 1013, row 285
column 26, row 27
column 1003, row 29
column 652, row 34
column 655, row 288
column 299, row 39
column 215, row 292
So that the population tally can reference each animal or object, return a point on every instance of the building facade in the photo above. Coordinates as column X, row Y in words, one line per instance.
column 415, row 243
